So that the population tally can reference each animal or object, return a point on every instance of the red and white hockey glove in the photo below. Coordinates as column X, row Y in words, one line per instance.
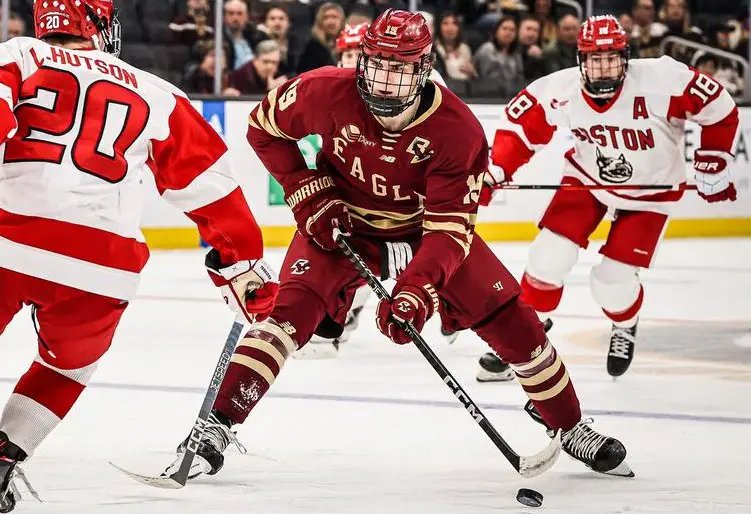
column 410, row 303
column 318, row 210
column 248, row 287
column 8, row 123
column 491, row 181
column 713, row 180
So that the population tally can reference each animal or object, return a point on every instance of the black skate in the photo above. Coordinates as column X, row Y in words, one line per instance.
column 598, row 452
column 10, row 456
column 621, row 353
column 493, row 369
column 209, row 457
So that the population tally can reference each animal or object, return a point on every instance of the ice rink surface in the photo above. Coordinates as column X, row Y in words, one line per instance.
column 375, row 431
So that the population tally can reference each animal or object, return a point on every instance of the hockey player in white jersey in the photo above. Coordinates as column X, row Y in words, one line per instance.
column 627, row 118
column 80, row 129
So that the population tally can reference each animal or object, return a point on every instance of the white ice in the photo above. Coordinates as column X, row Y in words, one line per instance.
column 375, row 430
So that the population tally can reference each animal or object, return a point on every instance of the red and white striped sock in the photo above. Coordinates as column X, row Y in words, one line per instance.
column 41, row 399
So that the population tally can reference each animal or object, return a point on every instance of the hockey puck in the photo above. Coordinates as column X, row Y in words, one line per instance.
column 529, row 497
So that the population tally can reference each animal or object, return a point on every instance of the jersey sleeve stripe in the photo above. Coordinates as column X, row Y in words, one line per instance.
column 206, row 188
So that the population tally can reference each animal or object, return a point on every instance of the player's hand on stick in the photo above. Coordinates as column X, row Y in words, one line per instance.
column 410, row 303
column 248, row 287
column 318, row 210
column 491, row 181
column 713, row 180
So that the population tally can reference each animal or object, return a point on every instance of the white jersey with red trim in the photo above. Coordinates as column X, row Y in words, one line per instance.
column 635, row 138
column 71, row 183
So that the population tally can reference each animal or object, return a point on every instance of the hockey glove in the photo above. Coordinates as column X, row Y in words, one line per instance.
column 491, row 181
column 409, row 303
column 713, row 180
column 318, row 210
column 248, row 287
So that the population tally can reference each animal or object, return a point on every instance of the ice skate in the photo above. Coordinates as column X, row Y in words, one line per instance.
column 493, row 369
column 621, row 352
column 209, row 458
column 598, row 452
column 10, row 456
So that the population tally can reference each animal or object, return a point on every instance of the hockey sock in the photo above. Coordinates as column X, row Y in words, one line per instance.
column 41, row 399
column 257, row 361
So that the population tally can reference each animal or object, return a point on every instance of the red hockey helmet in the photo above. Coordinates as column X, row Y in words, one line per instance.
column 395, row 62
column 88, row 19
column 602, row 35
column 351, row 37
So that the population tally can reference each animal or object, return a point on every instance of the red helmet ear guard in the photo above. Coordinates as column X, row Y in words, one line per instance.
column 88, row 19
column 602, row 34
column 395, row 37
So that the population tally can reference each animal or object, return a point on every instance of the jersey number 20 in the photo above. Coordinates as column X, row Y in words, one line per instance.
column 112, row 118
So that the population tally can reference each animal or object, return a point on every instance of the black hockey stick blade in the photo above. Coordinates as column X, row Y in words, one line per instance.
column 526, row 466
column 179, row 478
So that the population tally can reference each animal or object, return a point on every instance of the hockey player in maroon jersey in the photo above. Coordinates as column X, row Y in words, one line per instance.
column 80, row 129
column 401, row 169
column 627, row 118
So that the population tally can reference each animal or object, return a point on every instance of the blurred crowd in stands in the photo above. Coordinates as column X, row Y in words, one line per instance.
column 483, row 48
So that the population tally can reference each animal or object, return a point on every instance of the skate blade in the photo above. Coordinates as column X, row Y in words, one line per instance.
column 622, row 470
column 537, row 464
column 488, row 376
column 162, row 481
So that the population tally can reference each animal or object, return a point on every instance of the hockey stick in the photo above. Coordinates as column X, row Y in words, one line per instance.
column 526, row 466
column 180, row 477
column 596, row 187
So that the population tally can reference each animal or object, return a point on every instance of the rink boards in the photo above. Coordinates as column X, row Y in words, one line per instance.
column 512, row 217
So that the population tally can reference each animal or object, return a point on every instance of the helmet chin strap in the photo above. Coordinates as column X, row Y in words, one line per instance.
column 588, row 90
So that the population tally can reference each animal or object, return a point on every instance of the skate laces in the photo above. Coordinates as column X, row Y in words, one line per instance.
column 583, row 442
column 220, row 436
column 620, row 342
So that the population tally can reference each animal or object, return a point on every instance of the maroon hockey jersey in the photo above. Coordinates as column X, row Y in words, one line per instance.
column 422, row 181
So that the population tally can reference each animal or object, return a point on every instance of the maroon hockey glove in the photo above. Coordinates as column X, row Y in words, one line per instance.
column 248, row 287
column 713, row 180
column 410, row 303
column 318, row 210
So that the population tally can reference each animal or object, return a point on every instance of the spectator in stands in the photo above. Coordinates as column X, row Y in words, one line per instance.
column 529, row 43
column 728, row 72
column 319, row 51
column 238, row 33
column 199, row 74
column 543, row 11
column 276, row 26
column 450, row 45
column 677, row 21
column 16, row 26
column 563, row 54
column 258, row 77
column 627, row 22
column 500, row 60
column 194, row 25
column 647, row 33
